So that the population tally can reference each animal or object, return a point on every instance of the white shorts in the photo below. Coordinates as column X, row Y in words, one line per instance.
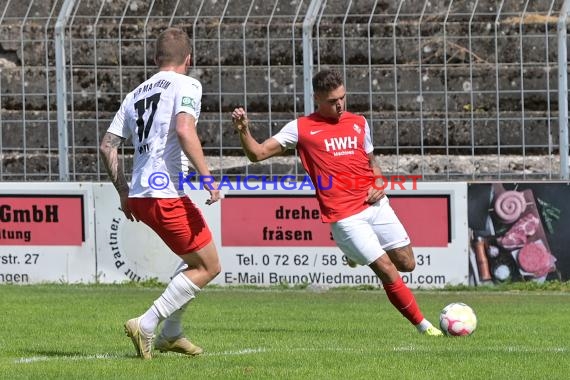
column 366, row 236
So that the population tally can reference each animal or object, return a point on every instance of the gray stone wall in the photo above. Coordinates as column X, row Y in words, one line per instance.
column 468, row 102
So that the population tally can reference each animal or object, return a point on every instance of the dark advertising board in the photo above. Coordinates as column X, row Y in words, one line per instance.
column 519, row 231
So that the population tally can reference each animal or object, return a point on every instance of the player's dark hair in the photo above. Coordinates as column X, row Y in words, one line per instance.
column 172, row 47
column 326, row 81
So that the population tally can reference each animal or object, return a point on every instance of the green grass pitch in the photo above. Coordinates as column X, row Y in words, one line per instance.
column 75, row 332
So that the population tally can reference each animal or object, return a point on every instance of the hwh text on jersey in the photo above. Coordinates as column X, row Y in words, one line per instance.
column 340, row 143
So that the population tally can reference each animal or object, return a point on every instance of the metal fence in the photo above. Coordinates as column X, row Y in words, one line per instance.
column 451, row 89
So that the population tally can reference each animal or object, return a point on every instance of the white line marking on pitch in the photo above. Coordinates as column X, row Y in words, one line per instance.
column 35, row 359
column 239, row 352
column 250, row 351
column 494, row 349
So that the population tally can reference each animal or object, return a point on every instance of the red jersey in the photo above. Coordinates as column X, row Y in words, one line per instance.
column 335, row 156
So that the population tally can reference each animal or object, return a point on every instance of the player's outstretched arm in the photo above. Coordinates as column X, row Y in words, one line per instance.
column 253, row 150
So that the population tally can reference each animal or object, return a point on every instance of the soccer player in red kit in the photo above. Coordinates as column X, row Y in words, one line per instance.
column 334, row 143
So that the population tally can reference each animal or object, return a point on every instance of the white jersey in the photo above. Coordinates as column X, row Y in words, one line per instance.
column 148, row 117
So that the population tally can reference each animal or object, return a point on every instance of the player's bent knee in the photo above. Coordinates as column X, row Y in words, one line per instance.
column 406, row 266
column 215, row 270
column 403, row 258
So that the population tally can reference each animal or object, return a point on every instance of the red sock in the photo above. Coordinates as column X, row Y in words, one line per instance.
column 402, row 298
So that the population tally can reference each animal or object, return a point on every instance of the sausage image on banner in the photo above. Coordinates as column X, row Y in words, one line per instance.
column 509, row 206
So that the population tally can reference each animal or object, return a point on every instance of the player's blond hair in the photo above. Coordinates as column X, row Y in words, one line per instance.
column 172, row 47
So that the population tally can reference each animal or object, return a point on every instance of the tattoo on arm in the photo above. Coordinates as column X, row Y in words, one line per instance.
column 110, row 151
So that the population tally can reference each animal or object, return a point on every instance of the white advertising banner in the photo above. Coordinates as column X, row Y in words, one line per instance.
column 46, row 233
column 75, row 232
column 126, row 250
column 275, row 237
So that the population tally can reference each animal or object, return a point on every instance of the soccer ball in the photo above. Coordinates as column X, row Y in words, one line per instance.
column 457, row 319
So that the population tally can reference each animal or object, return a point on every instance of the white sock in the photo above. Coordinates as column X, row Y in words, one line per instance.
column 172, row 326
column 423, row 325
column 178, row 293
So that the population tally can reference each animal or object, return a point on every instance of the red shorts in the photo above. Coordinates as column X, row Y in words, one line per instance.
column 176, row 220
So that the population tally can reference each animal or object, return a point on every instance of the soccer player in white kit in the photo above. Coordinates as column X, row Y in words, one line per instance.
column 335, row 144
column 160, row 117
